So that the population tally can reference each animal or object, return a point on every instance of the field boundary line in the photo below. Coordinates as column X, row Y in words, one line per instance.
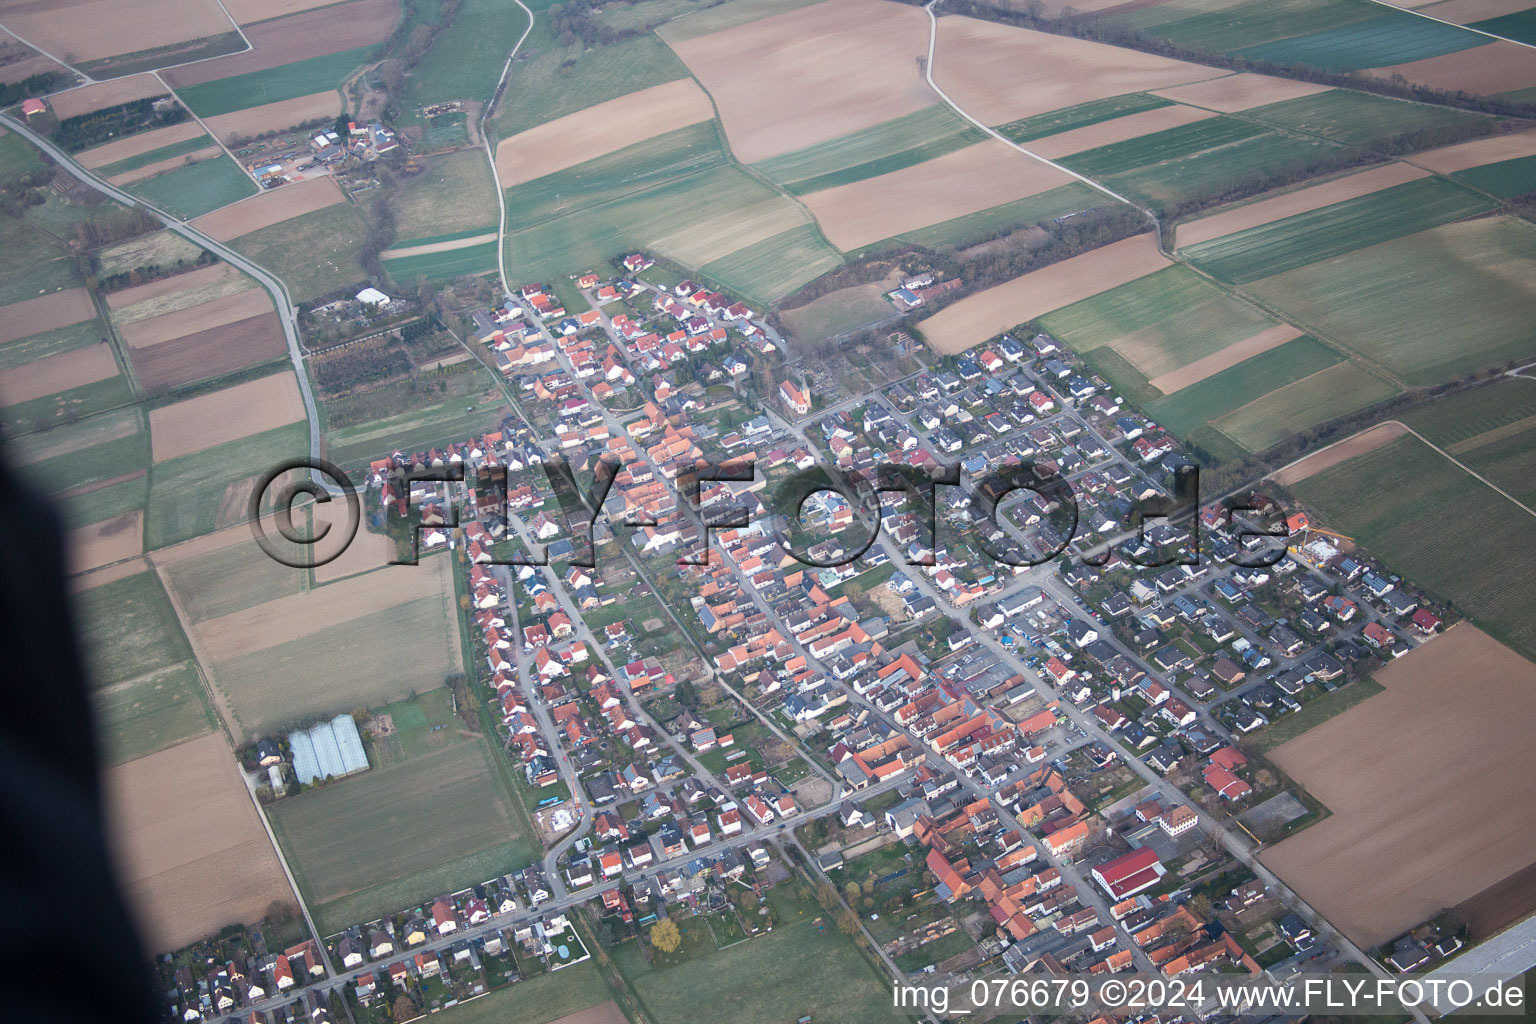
column 209, row 132
column 57, row 60
column 1452, row 24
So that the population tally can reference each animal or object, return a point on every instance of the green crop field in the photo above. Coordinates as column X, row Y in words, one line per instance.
column 418, row 823
column 1158, row 322
column 196, row 189
column 1190, row 408
column 466, row 57
column 881, row 149
column 1428, row 306
column 17, row 157
column 556, row 80
column 195, row 494
column 1358, row 118
column 442, row 266
column 745, row 982
column 1505, row 179
column 144, row 685
column 104, row 502
column 1392, row 37
column 175, row 149
column 775, row 266
column 229, row 579
column 1441, row 528
column 984, row 224
column 64, row 406
column 286, row 82
column 1081, row 116
column 50, row 343
column 1491, row 429
column 1321, row 234
column 365, row 427
column 1185, row 140
column 1245, row 24
column 1339, row 389
column 82, row 454
column 1521, row 26
column 313, row 254
column 453, row 193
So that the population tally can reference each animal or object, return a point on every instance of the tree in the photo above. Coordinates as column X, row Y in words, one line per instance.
column 851, row 890
column 404, row 1008
column 665, row 936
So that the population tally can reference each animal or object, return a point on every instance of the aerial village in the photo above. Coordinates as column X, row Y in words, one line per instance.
column 985, row 765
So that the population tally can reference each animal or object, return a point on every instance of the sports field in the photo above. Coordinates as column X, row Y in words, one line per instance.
column 1438, row 526
column 746, row 981
column 431, row 815
column 1391, row 856
column 1398, row 302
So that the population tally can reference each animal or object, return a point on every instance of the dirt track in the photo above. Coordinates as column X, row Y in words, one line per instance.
column 1410, row 836
column 966, row 181
column 1313, row 197
column 269, row 208
column 978, row 317
column 227, row 415
column 191, row 852
column 599, row 130
column 813, row 74
column 1343, row 451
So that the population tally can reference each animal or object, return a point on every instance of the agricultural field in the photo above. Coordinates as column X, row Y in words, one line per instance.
column 1439, row 526
column 271, row 208
column 1333, row 230
column 193, row 494
column 432, row 813
column 1191, row 407
column 843, row 310
column 1361, row 119
column 368, row 425
column 350, row 629
column 190, row 849
column 104, row 37
column 571, row 995
column 30, row 262
column 973, row 228
column 193, row 189
column 56, row 363
column 745, row 981
column 1304, row 403
column 313, row 254
column 1159, row 322
column 466, row 58
column 273, row 85
column 890, row 146
column 1389, row 855
column 1489, row 429
column 1398, row 302
column 145, row 686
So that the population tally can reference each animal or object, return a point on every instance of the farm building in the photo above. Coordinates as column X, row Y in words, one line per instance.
column 329, row 750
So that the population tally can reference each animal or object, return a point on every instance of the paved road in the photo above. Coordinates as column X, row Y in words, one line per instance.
column 286, row 312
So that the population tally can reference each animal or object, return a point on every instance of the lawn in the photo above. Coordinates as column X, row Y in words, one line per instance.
column 746, row 982
column 1441, row 528
column 555, row 80
column 286, row 82
column 433, row 819
column 836, row 312
column 453, row 193
column 313, row 254
column 1358, row 118
column 1081, row 116
column 881, row 149
column 195, row 189
column 1428, row 306
column 1319, row 234
column 1317, row 398
column 1159, row 322
column 194, row 494
column 1312, row 714
column 537, row 1000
